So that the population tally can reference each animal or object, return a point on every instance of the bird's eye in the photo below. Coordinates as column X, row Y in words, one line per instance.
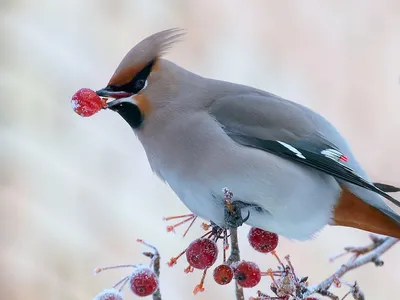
column 140, row 84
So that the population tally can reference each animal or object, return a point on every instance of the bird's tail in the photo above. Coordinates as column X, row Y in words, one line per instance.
column 351, row 211
column 386, row 187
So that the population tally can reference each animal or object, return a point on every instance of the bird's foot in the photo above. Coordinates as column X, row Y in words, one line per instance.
column 233, row 215
column 233, row 211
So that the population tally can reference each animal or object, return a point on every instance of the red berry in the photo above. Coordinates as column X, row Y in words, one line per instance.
column 111, row 294
column 86, row 102
column 247, row 274
column 143, row 282
column 261, row 240
column 202, row 253
column 223, row 274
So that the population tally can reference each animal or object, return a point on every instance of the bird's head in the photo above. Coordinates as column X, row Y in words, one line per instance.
column 135, row 77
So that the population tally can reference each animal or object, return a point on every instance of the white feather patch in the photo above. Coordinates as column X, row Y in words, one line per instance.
column 293, row 149
column 332, row 154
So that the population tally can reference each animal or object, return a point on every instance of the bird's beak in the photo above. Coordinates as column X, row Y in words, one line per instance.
column 112, row 103
column 107, row 92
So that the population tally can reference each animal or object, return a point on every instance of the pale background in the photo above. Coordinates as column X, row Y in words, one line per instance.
column 75, row 193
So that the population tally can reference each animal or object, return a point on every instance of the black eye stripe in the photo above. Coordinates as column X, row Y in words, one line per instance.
column 139, row 81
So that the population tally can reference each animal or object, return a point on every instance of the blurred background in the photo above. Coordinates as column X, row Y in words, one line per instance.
column 76, row 193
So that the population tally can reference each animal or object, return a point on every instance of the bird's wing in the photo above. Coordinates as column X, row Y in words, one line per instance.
column 318, row 156
column 291, row 131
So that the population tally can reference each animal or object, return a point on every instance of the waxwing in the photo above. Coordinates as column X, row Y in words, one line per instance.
column 290, row 171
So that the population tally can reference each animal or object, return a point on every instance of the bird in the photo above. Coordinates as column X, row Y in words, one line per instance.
column 289, row 169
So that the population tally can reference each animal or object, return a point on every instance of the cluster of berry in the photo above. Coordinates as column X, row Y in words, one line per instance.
column 202, row 253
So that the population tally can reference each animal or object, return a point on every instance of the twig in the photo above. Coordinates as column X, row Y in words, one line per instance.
column 234, row 257
column 375, row 251
column 156, row 267
column 155, row 263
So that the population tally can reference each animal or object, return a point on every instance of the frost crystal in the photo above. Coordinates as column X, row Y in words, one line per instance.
column 75, row 104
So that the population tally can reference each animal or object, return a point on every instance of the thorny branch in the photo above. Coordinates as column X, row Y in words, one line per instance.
column 362, row 256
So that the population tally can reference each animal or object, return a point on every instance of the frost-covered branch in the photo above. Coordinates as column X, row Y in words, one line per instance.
column 234, row 257
column 362, row 256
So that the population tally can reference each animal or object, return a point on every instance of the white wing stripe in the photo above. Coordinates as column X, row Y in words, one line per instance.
column 293, row 149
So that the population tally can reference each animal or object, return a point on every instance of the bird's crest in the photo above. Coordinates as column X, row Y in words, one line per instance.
column 146, row 51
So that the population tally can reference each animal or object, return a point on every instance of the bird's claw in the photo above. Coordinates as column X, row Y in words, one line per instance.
column 247, row 217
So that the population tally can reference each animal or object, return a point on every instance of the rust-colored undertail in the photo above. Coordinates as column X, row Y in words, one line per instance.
column 351, row 211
